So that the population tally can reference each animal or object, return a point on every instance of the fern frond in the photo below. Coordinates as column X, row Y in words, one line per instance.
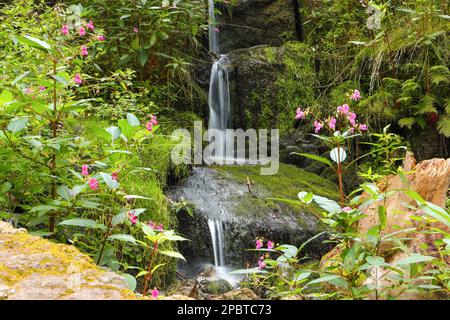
column 439, row 74
column 406, row 122
column 425, row 105
column 443, row 126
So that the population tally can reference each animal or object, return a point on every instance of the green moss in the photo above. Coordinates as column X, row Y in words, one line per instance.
column 284, row 185
column 277, row 79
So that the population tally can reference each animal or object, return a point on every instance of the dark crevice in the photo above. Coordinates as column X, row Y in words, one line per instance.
column 299, row 32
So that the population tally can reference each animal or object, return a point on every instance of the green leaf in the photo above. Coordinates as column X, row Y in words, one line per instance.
column 142, row 56
column 43, row 208
column 416, row 258
column 123, row 237
column 133, row 120
column 382, row 216
column 6, row 96
column 85, row 223
column 248, row 271
column 127, row 130
column 64, row 192
column 327, row 204
column 173, row 254
column 114, row 132
column 34, row 42
column 17, row 124
column 23, row 75
column 333, row 279
column 130, row 280
column 61, row 80
column 110, row 182
column 314, row 157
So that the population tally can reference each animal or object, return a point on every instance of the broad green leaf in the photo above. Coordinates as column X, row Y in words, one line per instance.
column 316, row 158
column 6, row 96
column 382, row 217
column 327, row 204
column 142, row 56
column 173, row 254
column 114, row 132
column 123, row 237
column 248, row 271
column 416, row 258
column 64, row 192
column 43, row 208
column 130, row 280
column 333, row 279
column 110, row 182
column 34, row 42
column 17, row 124
column 133, row 120
column 85, row 223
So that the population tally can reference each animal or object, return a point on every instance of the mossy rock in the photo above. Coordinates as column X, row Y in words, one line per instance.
column 268, row 83
column 269, row 209
column 217, row 287
column 244, row 24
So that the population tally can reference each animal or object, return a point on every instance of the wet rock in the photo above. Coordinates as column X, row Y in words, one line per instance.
column 222, row 193
column 217, row 287
column 239, row 294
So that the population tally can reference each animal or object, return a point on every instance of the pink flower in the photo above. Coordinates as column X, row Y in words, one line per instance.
column 115, row 176
column 101, row 38
column 300, row 114
column 135, row 30
column 42, row 88
column 154, row 293
column 352, row 117
column 151, row 123
column 90, row 25
column 347, row 209
column 149, row 126
column 159, row 227
column 351, row 130
column 82, row 31
column 356, row 95
column 216, row 30
column 133, row 218
column 77, row 79
column 28, row 90
column 84, row 51
column 84, row 170
column 261, row 264
column 93, row 184
column 153, row 120
column 317, row 125
column 270, row 245
column 259, row 244
column 363, row 127
column 65, row 30
column 344, row 109
column 332, row 123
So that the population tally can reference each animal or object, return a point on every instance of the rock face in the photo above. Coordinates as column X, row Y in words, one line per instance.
column 268, row 83
column 248, row 23
column 33, row 268
column 222, row 193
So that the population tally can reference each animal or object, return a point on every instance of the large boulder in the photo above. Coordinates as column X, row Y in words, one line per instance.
column 248, row 23
column 33, row 268
column 244, row 202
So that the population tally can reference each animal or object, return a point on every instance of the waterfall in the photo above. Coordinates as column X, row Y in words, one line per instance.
column 213, row 41
column 219, row 105
column 216, row 231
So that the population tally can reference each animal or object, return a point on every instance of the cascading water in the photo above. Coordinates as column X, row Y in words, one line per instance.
column 216, row 230
column 219, row 106
column 219, row 115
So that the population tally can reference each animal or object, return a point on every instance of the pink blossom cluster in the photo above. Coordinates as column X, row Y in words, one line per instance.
column 153, row 122
column 132, row 216
column 260, row 244
column 156, row 227
column 343, row 113
column 82, row 31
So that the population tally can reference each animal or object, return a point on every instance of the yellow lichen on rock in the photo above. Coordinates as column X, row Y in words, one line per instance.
column 35, row 268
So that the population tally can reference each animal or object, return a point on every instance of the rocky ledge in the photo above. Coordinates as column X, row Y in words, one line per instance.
column 34, row 268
